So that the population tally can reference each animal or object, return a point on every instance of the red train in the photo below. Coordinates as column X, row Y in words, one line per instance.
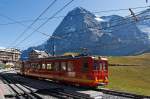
column 79, row 70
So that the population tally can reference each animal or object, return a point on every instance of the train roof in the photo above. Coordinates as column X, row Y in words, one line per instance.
column 66, row 57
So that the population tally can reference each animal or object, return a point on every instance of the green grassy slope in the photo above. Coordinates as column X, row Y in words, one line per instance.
column 135, row 79
column 142, row 60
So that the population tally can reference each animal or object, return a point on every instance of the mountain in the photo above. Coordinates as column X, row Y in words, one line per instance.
column 144, row 25
column 106, row 35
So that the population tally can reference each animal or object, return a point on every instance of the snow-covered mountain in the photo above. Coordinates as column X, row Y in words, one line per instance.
column 144, row 23
column 106, row 35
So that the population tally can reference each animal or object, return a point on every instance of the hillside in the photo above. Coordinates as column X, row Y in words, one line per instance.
column 135, row 79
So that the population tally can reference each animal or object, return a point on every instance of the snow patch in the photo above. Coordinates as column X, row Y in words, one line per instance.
column 145, row 28
column 99, row 19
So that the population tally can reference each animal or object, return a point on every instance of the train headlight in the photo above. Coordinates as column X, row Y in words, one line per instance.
column 106, row 79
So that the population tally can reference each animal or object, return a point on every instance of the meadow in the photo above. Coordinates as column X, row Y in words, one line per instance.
column 133, row 74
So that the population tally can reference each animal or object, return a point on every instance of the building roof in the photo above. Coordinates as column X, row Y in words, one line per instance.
column 41, row 52
column 11, row 50
column 38, row 51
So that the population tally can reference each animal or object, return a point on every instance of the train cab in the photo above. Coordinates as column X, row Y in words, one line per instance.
column 100, row 70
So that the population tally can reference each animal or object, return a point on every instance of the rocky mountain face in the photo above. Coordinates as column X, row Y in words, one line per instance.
column 106, row 35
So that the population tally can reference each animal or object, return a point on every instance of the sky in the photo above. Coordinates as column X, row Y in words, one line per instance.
column 25, row 11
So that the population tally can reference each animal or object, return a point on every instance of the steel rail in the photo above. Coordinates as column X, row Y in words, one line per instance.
column 25, row 94
column 122, row 94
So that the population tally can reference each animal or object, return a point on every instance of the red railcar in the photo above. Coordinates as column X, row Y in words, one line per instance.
column 79, row 70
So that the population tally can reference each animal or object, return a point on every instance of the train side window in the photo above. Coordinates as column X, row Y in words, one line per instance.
column 38, row 66
column 33, row 65
column 56, row 66
column 63, row 66
column 43, row 66
column 49, row 66
column 70, row 66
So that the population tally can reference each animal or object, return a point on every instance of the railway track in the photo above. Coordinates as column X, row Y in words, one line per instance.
column 22, row 90
column 25, row 86
column 122, row 94
column 19, row 91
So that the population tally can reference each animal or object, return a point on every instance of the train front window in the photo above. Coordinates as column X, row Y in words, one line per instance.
column 96, row 67
column 105, row 65
column 100, row 65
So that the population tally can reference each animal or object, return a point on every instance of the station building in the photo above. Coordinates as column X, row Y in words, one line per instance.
column 9, row 56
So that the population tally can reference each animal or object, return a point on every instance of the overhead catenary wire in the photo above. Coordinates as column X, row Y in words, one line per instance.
column 43, row 12
column 105, row 11
column 21, row 24
column 9, row 18
column 120, row 22
column 95, row 12
column 18, row 22
column 45, row 22
column 131, row 22
column 113, row 43
column 78, row 49
column 43, row 32
column 116, row 20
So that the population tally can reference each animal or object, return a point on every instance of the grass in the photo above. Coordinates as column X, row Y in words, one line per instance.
column 134, row 79
column 142, row 60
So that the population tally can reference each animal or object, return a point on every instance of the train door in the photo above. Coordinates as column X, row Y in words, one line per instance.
column 63, row 69
column 71, row 69
column 83, row 69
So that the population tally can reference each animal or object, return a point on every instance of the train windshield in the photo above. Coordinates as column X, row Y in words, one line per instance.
column 100, row 65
